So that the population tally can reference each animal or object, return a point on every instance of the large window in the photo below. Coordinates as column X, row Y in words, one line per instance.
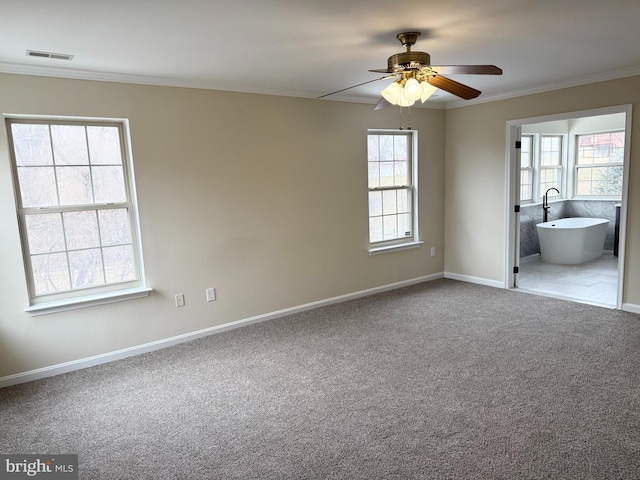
column 542, row 162
column 392, row 188
column 76, row 208
column 599, row 164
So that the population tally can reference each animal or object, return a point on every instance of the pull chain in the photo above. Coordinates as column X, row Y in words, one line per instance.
column 408, row 118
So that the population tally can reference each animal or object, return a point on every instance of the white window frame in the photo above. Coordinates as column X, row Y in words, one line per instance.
column 97, row 295
column 412, row 240
column 531, row 169
column 577, row 167
column 560, row 167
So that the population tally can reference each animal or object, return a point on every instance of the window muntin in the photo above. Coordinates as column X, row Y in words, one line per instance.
column 599, row 164
column 391, row 187
column 75, row 206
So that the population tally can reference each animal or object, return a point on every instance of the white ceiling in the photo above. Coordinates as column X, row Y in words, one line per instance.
column 307, row 48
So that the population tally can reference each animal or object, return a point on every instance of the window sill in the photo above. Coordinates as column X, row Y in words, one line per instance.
column 88, row 301
column 394, row 248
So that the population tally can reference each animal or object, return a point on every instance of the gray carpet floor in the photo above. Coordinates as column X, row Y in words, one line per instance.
column 439, row 380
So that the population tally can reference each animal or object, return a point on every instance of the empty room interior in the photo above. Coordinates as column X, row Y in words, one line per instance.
column 280, row 240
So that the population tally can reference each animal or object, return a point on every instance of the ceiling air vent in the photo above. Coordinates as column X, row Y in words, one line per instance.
column 54, row 56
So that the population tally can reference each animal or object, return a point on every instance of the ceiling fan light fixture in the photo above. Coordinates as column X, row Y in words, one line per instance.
column 427, row 91
column 412, row 90
column 392, row 93
column 404, row 101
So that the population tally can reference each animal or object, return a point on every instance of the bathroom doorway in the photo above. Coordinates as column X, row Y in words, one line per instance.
column 566, row 166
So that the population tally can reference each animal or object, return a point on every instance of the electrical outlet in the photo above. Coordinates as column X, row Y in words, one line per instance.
column 180, row 300
column 433, row 251
column 211, row 294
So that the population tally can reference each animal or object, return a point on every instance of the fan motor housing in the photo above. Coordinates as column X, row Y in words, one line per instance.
column 409, row 61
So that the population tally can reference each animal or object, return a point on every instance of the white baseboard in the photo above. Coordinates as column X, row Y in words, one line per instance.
column 470, row 279
column 167, row 342
column 630, row 307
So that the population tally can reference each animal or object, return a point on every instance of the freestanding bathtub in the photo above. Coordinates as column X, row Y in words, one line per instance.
column 570, row 241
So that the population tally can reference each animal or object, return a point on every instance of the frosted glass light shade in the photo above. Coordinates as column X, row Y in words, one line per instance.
column 404, row 102
column 412, row 90
column 392, row 93
column 427, row 91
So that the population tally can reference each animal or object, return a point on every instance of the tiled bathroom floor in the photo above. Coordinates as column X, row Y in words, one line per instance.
column 592, row 282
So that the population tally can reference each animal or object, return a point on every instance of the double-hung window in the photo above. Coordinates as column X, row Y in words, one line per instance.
column 77, row 211
column 392, row 179
column 599, row 164
column 551, row 164
column 526, row 168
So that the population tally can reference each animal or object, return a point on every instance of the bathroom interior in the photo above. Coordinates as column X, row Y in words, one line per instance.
column 571, row 169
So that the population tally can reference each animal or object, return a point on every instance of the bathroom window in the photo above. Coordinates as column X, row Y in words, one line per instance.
column 526, row 168
column 550, row 164
column 77, row 211
column 599, row 164
column 392, row 174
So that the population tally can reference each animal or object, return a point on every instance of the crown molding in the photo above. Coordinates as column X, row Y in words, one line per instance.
column 548, row 87
column 18, row 69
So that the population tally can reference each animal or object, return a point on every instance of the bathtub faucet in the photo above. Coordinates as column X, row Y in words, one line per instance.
column 545, row 204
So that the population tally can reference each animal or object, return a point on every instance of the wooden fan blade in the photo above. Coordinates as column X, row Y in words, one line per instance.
column 388, row 70
column 382, row 103
column 456, row 88
column 358, row 85
column 467, row 69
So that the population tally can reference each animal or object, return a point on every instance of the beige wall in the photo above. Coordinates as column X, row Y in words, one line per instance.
column 475, row 184
column 262, row 197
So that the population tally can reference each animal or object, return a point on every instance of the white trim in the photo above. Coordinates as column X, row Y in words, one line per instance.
column 477, row 280
column 630, row 307
column 87, row 301
column 18, row 69
column 512, row 130
column 167, row 342
column 549, row 87
column 394, row 248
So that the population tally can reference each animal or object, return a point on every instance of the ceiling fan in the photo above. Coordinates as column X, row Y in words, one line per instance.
column 415, row 77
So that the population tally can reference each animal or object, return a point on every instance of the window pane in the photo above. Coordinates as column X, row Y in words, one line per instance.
column 404, row 201
column 404, row 225
column 81, row 230
column 37, row 186
column 86, row 268
column 390, row 227
column 114, row 226
column 74, row 185
column 386, row 147
column 401, row 173
column 614, row 180
column 69, row 145
column 104, row 145
column 108, row 185
column 31, row 144
column 119, row 265
column 386, row 174
column 373, row 145
column 50, row 273
column 375, row 229
column 400, row 147
column 389, row 202
column 45, row 233
column 375, row 204
column 374, row 174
